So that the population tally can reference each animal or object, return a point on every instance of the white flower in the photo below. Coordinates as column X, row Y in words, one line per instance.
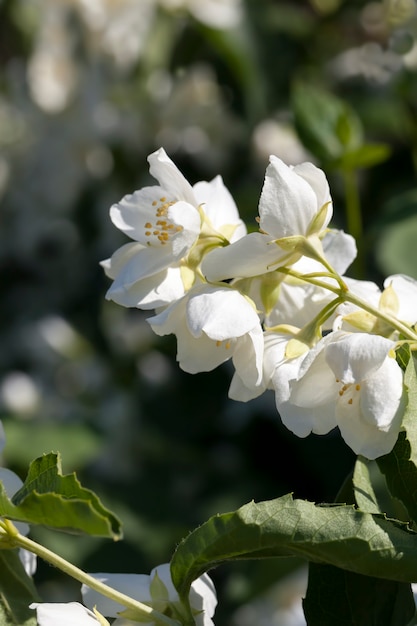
column 351, row 381
column 212, row 325
column 295, row 203
column 165, row 223
column 155, row 590
column 64, row 614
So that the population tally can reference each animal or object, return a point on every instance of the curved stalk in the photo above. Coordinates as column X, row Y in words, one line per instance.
column 347, row 296
column 54, row 559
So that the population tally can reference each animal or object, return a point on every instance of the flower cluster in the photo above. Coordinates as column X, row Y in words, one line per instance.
column 275, row 302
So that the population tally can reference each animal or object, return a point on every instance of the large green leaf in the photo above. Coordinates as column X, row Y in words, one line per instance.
column 400, row 465
column 17, row 591
column 338, row 535
column 335, row 596
column 49, row 498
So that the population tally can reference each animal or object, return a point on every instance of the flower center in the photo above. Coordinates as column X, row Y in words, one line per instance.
column 348, row 391
column 162, row 229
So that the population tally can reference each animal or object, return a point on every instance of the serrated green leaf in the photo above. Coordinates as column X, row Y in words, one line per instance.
column 17, row 591
column 400, row 465
column 335, row 596
column 49, row 498
column 338, row 535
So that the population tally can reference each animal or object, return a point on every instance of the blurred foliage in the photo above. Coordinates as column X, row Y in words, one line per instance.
column 87, row 90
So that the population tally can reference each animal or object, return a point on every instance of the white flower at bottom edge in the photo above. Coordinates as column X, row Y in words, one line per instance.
column 352, row 381
column 142, row 587
column 212, row 325
column 64, row 614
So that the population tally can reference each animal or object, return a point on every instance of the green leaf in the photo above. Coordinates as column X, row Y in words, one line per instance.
column 337, row 535
column 17, row 591
column 327, row 126
column 400, row 465
column 335, row 596
column 49, row 498
column 364, row 492
column 368, row 155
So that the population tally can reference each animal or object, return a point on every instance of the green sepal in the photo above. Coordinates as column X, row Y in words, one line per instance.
column 49, row 498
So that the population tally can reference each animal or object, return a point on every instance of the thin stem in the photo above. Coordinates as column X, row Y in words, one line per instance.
column 347, row 296
column 83, row 577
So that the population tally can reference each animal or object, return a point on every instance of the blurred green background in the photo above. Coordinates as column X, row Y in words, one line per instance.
column 88, row 88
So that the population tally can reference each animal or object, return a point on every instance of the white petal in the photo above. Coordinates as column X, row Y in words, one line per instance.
column 370, row 424
column 169, row 176
column 304, row 421
column 203, row 595
column 135, row 210
column 153, row 292
column 248, row 357
column 251, row 255
column 12, row 483
column 406, row 289
column 220, row 313
column 63, row 614
column 217, row 202
column 288, row 203
column 28, row 560
column 355, row 356
column 382, row 393
column 339, row 249
column 135, row 586
column 317, row 180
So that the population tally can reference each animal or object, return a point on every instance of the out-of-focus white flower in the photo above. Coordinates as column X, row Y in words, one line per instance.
column 213, row 325
column 155, row 590
column 295, row 206
column 279, row 138
column 166, row 221
column 52, row 71
column 220, row 14
column 65, row 614
column 370, row 61
column 119, row 28
column 351, row 381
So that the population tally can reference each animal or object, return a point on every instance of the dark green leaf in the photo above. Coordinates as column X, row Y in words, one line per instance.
column 335, row 596
column 17, row 591
column 338, row 535
column 400, row 465
column 49, row 498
